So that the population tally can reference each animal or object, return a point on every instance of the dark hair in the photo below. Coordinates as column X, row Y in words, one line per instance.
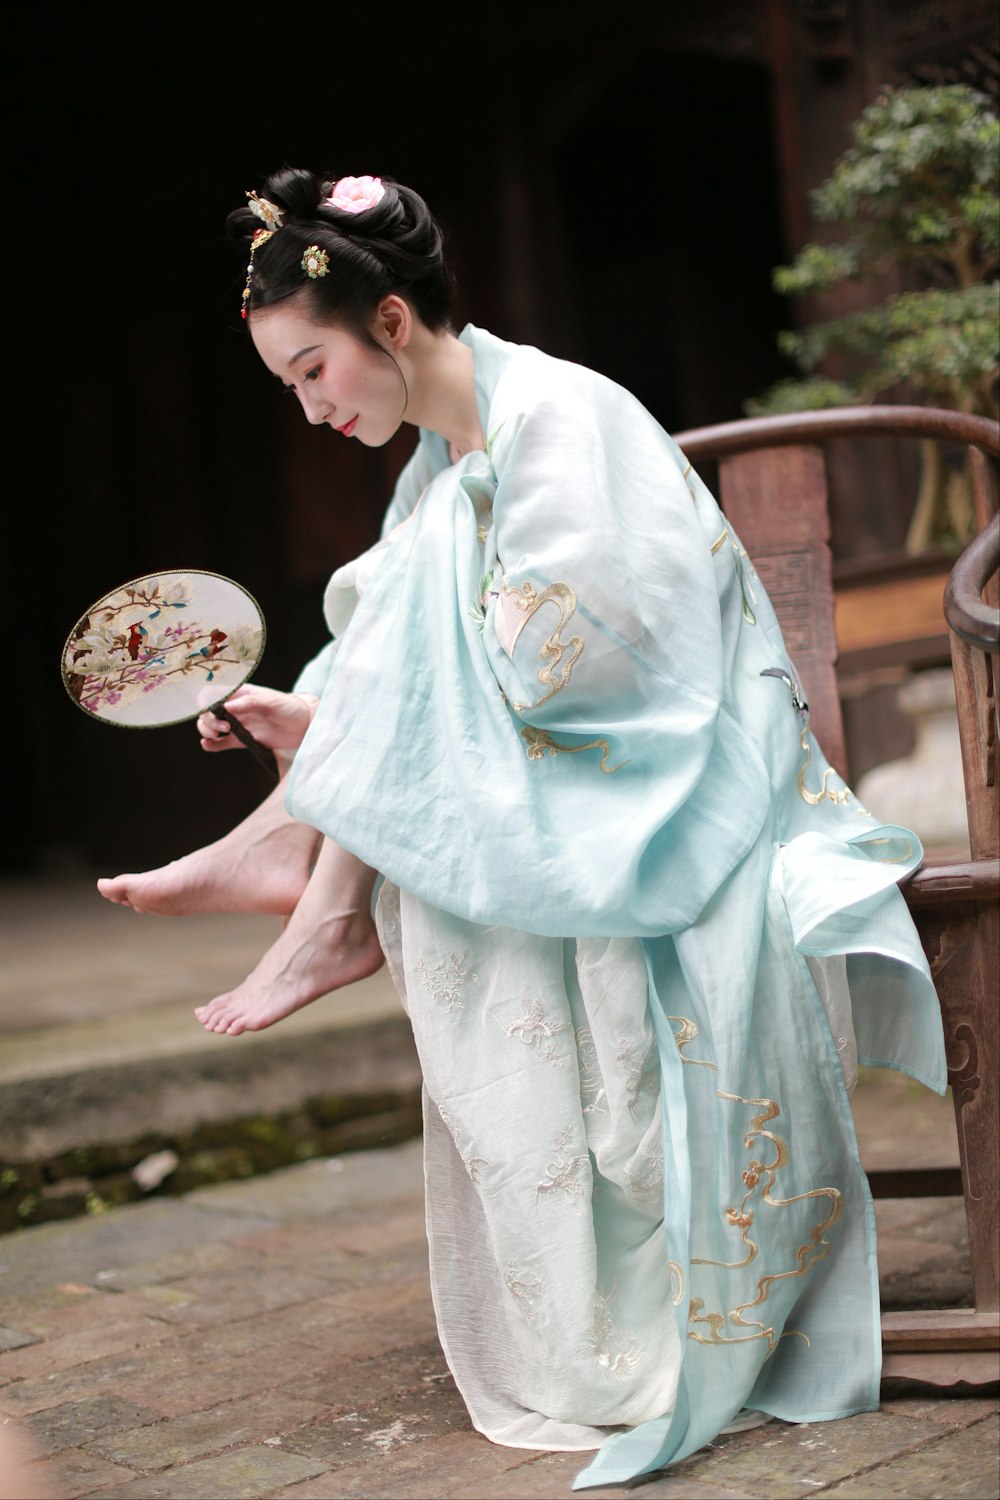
column 393, row 247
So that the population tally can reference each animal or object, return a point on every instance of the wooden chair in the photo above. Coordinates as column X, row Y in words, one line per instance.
column 773, row 487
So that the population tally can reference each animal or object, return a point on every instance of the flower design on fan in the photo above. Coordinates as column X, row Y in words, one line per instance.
column 244, row 643
column 116, row 664
column 101, row 663
column 101, row 640
column 176, row 595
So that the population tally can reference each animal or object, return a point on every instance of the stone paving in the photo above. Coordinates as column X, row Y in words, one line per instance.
column 276, row 1338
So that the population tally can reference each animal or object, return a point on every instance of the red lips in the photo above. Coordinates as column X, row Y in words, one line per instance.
column 348, row 427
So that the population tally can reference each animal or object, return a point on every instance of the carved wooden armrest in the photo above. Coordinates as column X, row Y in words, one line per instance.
column 971, row 880
column 967, row 615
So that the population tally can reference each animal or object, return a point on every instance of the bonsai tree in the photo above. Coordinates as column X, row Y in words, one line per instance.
column 917, row 194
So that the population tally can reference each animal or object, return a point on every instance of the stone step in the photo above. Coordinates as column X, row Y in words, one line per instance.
column 99, row 1071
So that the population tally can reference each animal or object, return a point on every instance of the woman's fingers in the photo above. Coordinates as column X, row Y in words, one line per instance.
column 216, row 734
column 210, row 724
column 222, row 742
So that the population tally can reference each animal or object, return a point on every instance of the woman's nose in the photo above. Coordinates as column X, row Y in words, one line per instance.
column 316, row 410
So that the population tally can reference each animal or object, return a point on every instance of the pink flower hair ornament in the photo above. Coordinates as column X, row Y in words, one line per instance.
column 352, row 195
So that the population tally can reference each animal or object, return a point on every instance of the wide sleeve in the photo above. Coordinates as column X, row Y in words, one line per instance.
column 560, row 762
column 605, row 635
column 603, row 609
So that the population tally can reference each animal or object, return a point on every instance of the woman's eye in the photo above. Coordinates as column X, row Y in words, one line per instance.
column 313, row 374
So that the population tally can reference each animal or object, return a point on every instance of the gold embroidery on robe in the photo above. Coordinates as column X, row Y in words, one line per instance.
column 529, row 601
column 524, row 597
column 740, row 557
column 897, row 859
column 687, row 1033
column 826, row 793
column 815, row 1249
column 538, row 741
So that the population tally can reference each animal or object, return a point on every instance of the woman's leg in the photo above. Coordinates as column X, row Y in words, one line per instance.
column 328, row 941
column 260, row 865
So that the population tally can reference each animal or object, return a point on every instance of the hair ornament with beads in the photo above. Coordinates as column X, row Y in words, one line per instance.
column 315, row 262
column 261, row 237
column 341, row 244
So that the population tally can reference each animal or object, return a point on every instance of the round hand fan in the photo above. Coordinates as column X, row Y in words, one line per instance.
column 165, row 648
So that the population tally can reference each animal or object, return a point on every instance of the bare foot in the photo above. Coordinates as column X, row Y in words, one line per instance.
column 260, row 870
column 313, row 955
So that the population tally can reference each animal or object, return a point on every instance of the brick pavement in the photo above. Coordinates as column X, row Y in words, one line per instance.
column 275, row 1338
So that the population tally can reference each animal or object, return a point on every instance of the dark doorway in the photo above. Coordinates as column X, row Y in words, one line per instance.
column 671, row 207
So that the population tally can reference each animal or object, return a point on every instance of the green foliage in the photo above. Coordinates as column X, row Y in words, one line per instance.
column 939, row 342
column 918, row 188
column 802, row 395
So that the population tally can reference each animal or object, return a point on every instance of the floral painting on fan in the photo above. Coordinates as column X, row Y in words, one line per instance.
column 161, row 648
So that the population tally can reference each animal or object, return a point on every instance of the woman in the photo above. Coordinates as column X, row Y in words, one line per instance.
column 642, row 930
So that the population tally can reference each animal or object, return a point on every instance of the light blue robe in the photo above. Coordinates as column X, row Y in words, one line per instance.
column 642, row 930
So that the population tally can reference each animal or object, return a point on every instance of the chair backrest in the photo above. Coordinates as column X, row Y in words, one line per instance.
column 773, row 487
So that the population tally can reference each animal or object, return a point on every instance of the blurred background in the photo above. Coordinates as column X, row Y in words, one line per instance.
column 617, row 185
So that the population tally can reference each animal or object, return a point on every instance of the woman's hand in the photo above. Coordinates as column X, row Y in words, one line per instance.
column 277, row 720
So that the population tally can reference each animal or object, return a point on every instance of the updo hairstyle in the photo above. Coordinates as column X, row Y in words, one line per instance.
column 393, row 247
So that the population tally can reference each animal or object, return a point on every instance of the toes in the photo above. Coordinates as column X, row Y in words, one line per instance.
column 114, row 890
column 224, row 1016
column 216, row 1015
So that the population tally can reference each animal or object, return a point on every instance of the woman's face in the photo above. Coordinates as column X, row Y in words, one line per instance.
column 338, row 380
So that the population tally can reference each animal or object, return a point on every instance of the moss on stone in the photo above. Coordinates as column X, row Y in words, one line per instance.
column 225, row 1151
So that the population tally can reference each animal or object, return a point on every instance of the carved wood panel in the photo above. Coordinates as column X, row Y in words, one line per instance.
column 961, row 944
column 777, row 501
column 789, row 580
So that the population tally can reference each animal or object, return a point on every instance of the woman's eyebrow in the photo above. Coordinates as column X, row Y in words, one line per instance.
column 308, row 350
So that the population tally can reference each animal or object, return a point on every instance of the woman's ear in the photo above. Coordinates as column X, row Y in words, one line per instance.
column 393, row 323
